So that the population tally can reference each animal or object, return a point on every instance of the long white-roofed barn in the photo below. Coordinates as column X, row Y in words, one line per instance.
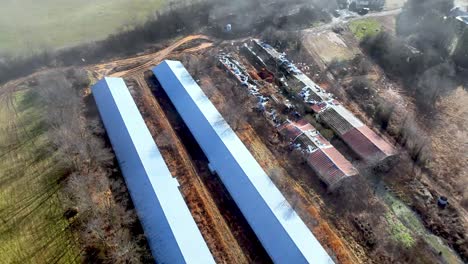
column 282, row 233
column 172, row 233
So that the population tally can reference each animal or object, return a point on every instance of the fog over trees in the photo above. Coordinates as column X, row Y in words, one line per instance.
column 422, row 54
column 208, row 16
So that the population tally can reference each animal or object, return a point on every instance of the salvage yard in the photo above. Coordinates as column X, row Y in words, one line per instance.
column 393, row 163
column 395, row 227
column 299, row 184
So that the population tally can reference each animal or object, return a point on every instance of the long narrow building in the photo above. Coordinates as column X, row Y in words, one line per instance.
column 331, row 167
column 282, row 233
column 172, row 233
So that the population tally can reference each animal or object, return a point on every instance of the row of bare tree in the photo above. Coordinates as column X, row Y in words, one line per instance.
column 362, row 90
column 94, row 196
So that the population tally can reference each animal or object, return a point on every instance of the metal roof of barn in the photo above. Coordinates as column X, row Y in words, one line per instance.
column 360, row 144
column 290, row 131
column 336, row 121
column 341, row 162
column 377, row 140
column 172, row 233
column 326, row 168
column 280, row 230
column 330, row 165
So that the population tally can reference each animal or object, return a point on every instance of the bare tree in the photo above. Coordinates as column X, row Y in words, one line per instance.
column 97, row 204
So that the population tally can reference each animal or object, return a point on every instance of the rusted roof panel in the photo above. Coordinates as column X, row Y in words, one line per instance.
column 337, row 122
column 326, row 161
column 304, row 125
column 290, row 131
column 318, row 107
column 326, row 169
column 362, row 145
column 378, row 141
column 343, row 164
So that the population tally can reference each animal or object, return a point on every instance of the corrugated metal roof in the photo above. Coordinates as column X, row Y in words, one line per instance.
column 360, row 138
column 290, row 131
column 315, row 88
column 326, row 169
column 322, row 140
column 347, row 115
column 280, row 230
column 317, row 108
column 360, row 144
column 303, row 125
column 330, row 165
column 334, row 120
column 172, row 233
column 378, row 141
column 343, row 164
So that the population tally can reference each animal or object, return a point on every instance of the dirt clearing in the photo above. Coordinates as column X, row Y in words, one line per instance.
column 329, row 46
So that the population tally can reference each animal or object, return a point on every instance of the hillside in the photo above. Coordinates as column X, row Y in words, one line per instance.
column 29, row 26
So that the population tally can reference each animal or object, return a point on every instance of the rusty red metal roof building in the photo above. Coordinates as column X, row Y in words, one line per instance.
column 360, row 138
column 336, row 121
column 367, row 144
column 331, row 166
column 322, row 157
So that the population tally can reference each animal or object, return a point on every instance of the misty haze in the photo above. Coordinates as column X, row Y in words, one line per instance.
column 249, row 131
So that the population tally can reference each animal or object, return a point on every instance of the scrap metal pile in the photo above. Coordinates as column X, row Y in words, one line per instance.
column 331, row 167
column 240, row 73
column 367, row 144
column 272, row 68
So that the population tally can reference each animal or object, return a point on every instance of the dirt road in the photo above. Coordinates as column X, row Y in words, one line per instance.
column 215, row 229
column 135, row 65
column 220, row 240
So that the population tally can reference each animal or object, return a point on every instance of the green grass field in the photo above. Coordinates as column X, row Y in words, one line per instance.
column 365, row 27
column 29, row 26
column 32, row 226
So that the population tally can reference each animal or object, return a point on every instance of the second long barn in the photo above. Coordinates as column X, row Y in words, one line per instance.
column 280, row 230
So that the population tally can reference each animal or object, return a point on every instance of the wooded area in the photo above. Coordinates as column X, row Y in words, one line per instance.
column 95, row 198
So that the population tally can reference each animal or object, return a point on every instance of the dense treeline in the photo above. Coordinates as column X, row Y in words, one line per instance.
column 209, row 16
